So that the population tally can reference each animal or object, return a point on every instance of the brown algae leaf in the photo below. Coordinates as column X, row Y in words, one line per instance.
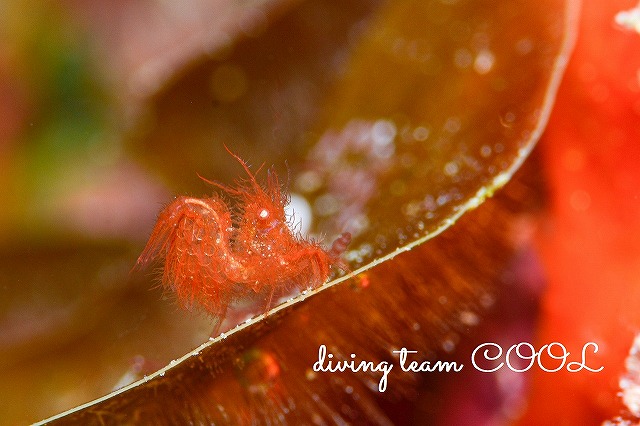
column 440, row 103
column 262, row 372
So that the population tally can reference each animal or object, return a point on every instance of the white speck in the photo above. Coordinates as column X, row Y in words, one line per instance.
column 420, row 133
column 480, row 196
column 508, row 119
column 411, row 209
column 326, row 205
column 308, row 181
column 524, row 46
column 629, row 19
column 448, row 345
column 630, row 382
column 469, row 318
column 224, row 336
column 443, row 199
column 451, row 168
column 429, row 203
column 500, row 180
column 484, row 61
column 453, row 125
column 365, row 251
column 383, row 133
column 358, row 224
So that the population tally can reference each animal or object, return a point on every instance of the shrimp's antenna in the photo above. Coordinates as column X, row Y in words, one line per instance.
column 219, row 185
column 288, row 184
column 228, row 189
column 245, row 166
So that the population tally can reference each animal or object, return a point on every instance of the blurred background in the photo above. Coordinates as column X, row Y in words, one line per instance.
column 109, row 109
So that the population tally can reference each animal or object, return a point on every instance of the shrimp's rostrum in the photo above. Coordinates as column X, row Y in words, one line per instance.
column 213, row 256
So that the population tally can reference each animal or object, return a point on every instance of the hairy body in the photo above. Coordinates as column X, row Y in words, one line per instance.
column 213, row 256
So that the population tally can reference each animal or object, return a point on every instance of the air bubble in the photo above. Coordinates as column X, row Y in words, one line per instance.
column 485, row 151
column 524, row 46
column 469, row 318
column 453, row 125
column 448, row 345
column 451, row 168
column 484, row 61
column 383, row 133
column 443, row 199
column 309, row 181
column 420, row 133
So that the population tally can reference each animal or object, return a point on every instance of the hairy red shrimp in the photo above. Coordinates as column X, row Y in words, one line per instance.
column 214, row 255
